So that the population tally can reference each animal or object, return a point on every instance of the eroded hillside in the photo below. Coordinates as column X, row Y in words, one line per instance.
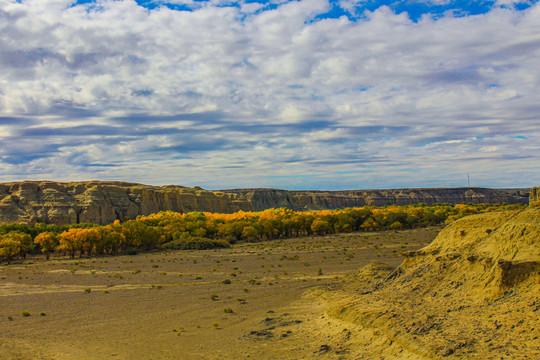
column 473, row 293
column 103, row 202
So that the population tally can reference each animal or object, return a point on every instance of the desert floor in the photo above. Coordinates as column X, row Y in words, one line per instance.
column 251, row 301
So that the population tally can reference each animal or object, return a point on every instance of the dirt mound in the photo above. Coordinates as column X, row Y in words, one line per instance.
column 474, row 292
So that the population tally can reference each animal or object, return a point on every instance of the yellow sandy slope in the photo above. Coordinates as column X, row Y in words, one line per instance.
column 473, row 293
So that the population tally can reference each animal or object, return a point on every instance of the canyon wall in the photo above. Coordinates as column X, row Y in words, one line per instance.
column 262, row 199
column 103, row 202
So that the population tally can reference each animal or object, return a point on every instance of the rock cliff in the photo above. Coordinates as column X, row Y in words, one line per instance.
column 103, row 202
column 261, row 199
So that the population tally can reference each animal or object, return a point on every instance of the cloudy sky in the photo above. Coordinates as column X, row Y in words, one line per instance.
column 309, row 94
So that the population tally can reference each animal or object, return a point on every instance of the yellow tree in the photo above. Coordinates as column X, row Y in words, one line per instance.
column 9, row 247
column 68, row 241
column 47, row 242
column 24, row 240
column 88, row 240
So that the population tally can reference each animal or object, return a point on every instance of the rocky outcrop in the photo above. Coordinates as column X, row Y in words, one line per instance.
column 534, row 195
column 102, row 202
column 319, row 200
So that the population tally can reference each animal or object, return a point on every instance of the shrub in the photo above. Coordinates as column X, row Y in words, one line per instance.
column 196, row 244
column 226, row 281
column 132, row 250
column 26, row 313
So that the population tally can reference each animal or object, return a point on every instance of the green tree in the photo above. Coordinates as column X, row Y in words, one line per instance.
column 249, row 233
column 321, row 227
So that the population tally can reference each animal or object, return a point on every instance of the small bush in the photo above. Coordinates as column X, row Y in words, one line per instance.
column 42, row 313
column 87, row 291
column 228, row 311
column 26, row 313
column 226, row 281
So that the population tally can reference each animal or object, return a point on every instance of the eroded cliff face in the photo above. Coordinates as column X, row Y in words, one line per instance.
column 320, row 200
column 103, row 202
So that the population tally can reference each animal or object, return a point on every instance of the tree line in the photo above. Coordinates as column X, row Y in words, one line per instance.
column 204, row 230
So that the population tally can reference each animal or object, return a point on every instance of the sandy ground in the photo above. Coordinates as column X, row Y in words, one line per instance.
column 180, row 305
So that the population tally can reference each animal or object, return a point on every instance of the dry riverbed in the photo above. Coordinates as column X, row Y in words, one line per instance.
column 251, row 301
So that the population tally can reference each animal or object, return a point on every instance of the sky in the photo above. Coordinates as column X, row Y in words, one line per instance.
column 309, row 94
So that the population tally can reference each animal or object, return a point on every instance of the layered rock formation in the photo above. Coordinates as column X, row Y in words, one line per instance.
column 262, row 199
column 103, row 202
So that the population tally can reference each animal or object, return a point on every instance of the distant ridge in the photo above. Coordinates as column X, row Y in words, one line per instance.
column 102, row 202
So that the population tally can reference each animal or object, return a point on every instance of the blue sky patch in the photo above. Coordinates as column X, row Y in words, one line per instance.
column 415, row 9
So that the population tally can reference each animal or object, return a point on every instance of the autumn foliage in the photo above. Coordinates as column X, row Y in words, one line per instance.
column 203, row 230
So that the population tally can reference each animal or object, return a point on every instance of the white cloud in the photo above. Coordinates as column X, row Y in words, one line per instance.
column 284, row 91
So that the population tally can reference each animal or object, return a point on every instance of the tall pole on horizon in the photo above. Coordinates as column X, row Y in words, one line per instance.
column 468, row 181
